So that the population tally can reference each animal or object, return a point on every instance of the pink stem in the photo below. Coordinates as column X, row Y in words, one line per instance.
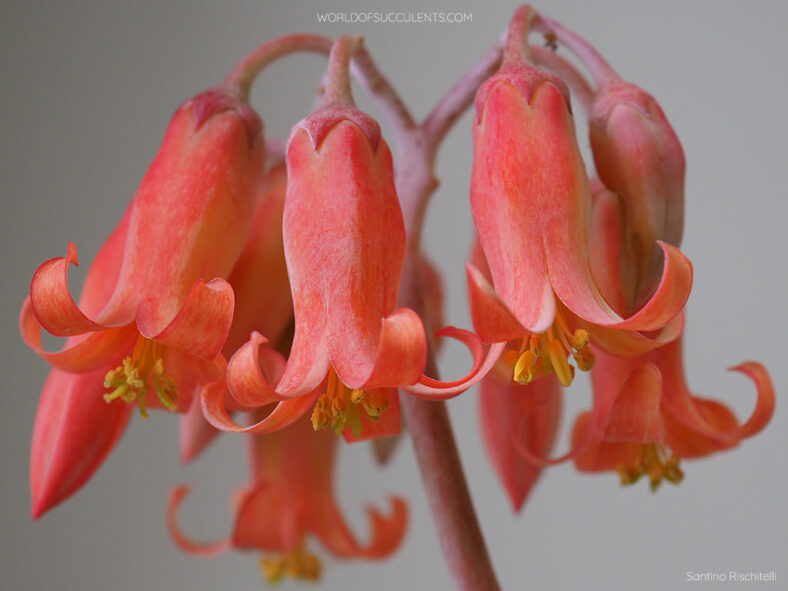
column 243, row 75
column 337, row 79
column 444, row 482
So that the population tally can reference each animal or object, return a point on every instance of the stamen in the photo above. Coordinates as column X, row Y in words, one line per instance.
column 340, row 407
column 300, row 564
column 653, row 461
column 548, row 352
column 129, row 381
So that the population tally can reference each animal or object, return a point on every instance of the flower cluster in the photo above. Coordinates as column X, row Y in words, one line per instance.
column 588, row 269
column 279, row 285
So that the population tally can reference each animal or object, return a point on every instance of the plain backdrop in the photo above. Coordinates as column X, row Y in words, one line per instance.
column 87, row 91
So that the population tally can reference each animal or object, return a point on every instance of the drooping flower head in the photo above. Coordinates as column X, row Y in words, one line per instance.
column 155, row 311
column 344, row 241
column 531, row 198
column 290, row 498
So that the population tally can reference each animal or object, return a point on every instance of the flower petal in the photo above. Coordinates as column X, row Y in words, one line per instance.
column 201, row 325
column 387, row 531
column 82, row 353
column 636, row 414
column 528, row 412
column 213, row 397
column 201, row 549
column 74, row 432
column 433, row 389
column 595, row 455
column 683, row 407
column 265, row 520
column 253, row 371
column 51, row 299
column 492, row 319
column 401, row 353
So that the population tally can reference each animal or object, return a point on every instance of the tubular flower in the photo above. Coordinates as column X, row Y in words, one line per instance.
column 262, row 294
column 344, row 240
column 531, row 198
column 157, row 320
column 644, row 418
column 291, row 496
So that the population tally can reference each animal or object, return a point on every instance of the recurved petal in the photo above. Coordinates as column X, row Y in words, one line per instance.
column 75, row 430
column 81, row 353
column 51, row 299
column 201, row 325
column 213, row 398
column 253, row 372
column 181, row 540
column 632, row 343
column 529, row 413
column 687, row 410
column 387, row 531
column 401, row 355
column 492, row 319
column 712, row 416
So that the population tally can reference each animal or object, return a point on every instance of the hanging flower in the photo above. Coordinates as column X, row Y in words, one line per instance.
column 290, row 498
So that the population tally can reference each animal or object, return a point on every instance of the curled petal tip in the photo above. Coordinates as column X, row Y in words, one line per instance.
column 177, row 496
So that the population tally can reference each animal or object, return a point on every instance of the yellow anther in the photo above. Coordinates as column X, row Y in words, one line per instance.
column 585, row 359
column 319, row 419
column 525, row 369
column 535, row 345
column 652, row 463
column 561, row 367
column 580, row 339
column 374, row 406
column 548, row 352
column 341, row 407
column 300, row 564
column 129, row 381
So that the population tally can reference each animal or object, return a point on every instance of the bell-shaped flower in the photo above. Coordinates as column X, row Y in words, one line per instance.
column 344, row 240
column 290, row 498
column 164, row 308
column 531, row 200
column 644, row 419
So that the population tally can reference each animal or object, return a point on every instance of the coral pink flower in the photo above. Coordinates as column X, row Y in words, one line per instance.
column 148, row 327
column 290, row 497
column 644, row 418
column 158, row 310
column 344, row 239
column 531, row 200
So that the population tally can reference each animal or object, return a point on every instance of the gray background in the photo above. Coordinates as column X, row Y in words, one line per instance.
column 87, row 90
